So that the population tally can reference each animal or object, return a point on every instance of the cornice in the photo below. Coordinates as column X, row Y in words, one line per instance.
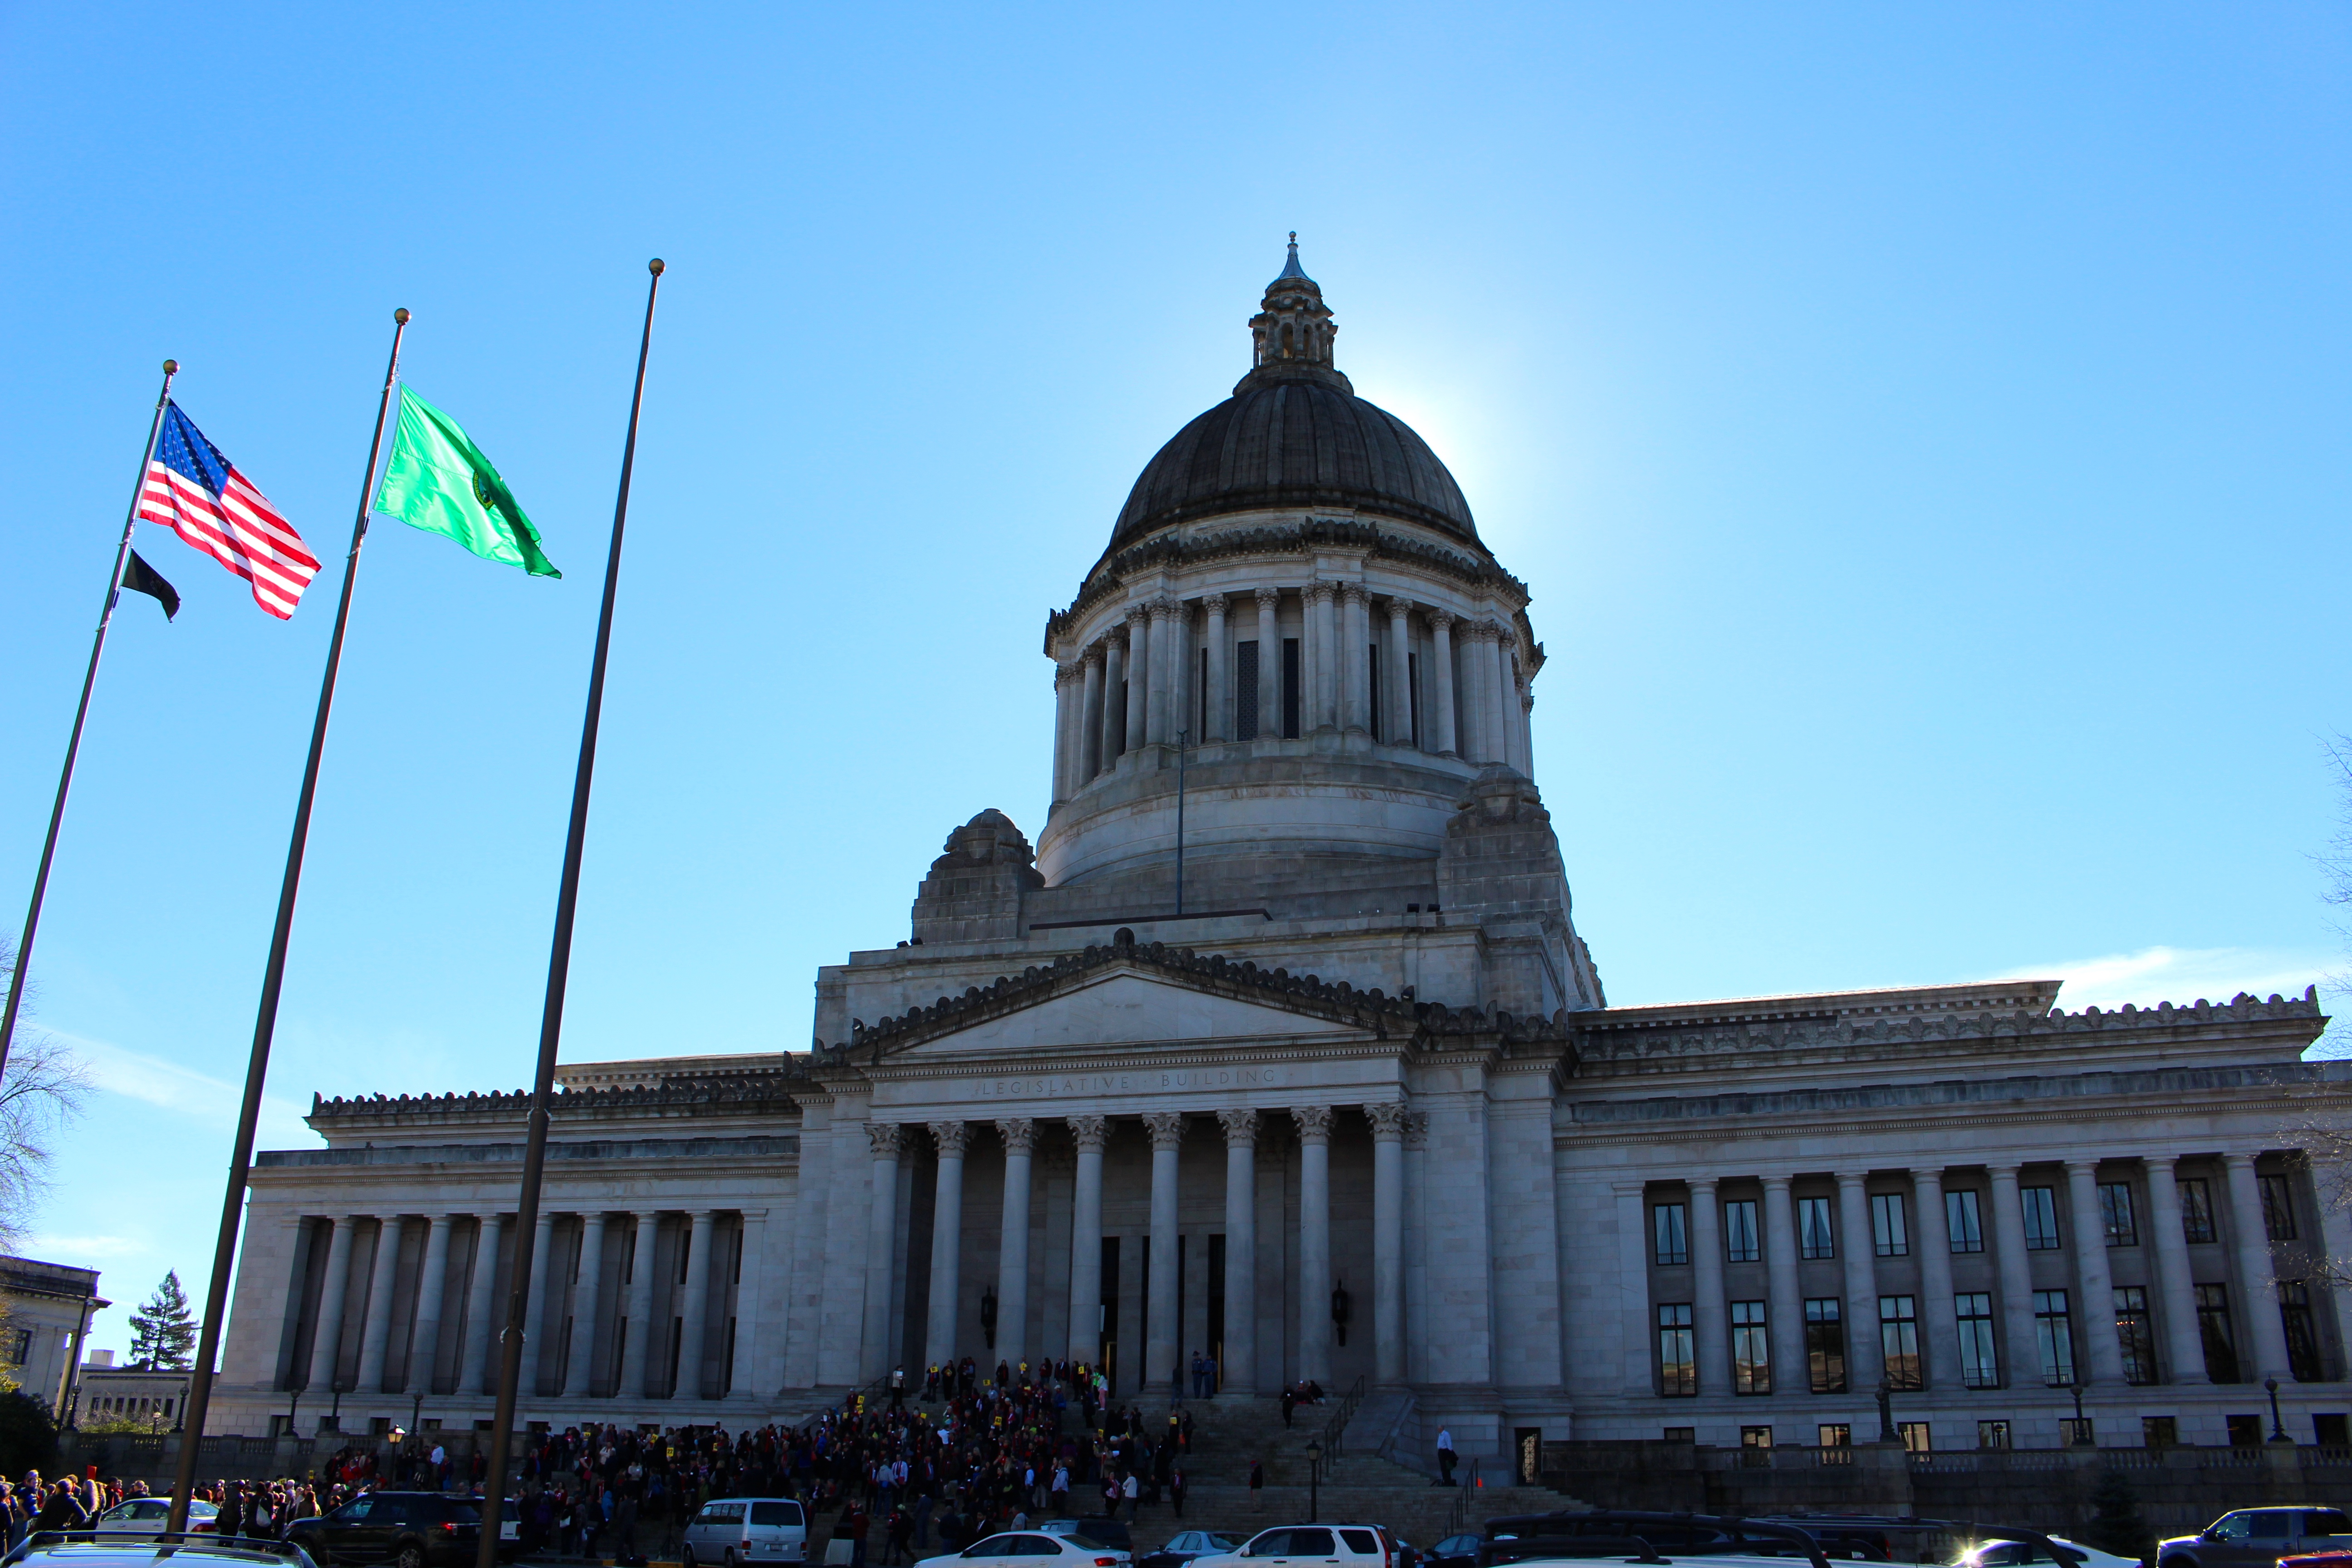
column 761, row 1093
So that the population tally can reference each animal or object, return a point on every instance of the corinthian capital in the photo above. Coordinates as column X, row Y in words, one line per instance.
column 1094, row 656
column 1241, row 1128
column 885, row 1139
column 1319, row 591
column 1439, row 620
column 1137, row 616
column 949, row 1136
column 1215, row 606
column 1314, row 1123
column 1020, row 1134
column 1089, row 1131
column 1267, row 598
column 1166, row 1128
column 1165, row 608
column 1352, row 594
column 1387, row 1120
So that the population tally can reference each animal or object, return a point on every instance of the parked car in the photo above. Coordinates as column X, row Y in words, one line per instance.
column 404, row 1529
column 1036, row 1549
column 146, row 1516
column 1454, row 1551
column 1185, row 1545
column 1096, row 1528
column 1306, row 1546
column 49, row 1549
column 2257, row 1538
column 736, row 1531
column 2018, row 1554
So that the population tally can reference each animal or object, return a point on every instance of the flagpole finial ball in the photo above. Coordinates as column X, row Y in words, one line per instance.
column 400, row 317
column 170, row 367
column 655, row 266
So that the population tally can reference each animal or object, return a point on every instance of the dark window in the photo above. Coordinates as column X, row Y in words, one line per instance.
column 1890, row 1236
column 1119, row 721
column 2334, row 1431
column 2135, row 1336
column 1751, row 1350
column 1755, row 1437
column 1217, row 1302
column 1992, row 1434
column 1670, row 1229
column 1677, row 1435
column 1824, row 1345
column 1898, row 1341
column 2245, row 1432
column 2326, row 1521
column 2053, row 1332
column 2196, row 1209
column 1816, row 1236
column 1740, row 1243
column 1914, row 1434
column 2302, row 1338
column 775, row 1514
column 2041, row 1217
column 1677, row 1371
column 1290, row 689
column 2278, row 1207
column 2213, row 1328
column 1245, row 691
column 1372, row 664
column 1979, row 1357
column 1413, row 692
column 1965, row 1220
column 2159, row 1431
column 2115, row 1214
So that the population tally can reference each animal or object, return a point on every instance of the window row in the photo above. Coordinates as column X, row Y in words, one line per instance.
column 1890, row 1228
column 1979, row 1341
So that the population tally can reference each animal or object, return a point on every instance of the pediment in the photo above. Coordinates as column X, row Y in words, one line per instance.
column 1127, row 1007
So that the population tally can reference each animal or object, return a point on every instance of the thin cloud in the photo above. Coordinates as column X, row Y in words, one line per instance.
column 2175, row 974
column 90, row 1247
column 172, row 1087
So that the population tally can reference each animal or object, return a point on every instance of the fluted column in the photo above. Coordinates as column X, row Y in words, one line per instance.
column 2249, row 1241
column 641, row 1354
column 580, row 1366
column 1269, row 663
column 1355, row 659
column 1237, row 1362
column 1441, row 683
column 693, row 1332
column 1477, row 693
column 1388, row 1241
column 1416, row 1243
column 1020, row 1135
column 1323, row 653
column 1864, row 1364
column 1313, row 1240
column 327, row 1339
column 2176, row 1288
column 1161, row 1333
column 747, row 1306
column 1140, row 674
column 477, row 1373
column 947, row 1243
column 1066, row 731
column 1161, row 727
column 432, row 1286
column 535, row 1314
column 1784, row 1299
column 1217, row 725
column 1091, row 720
column 1931, row 1238
column 885, row 1143
column 375, row 1334
column 1086, row 1239
column 1711, row 1312
column 1183, row 676
column 2016, row 1280
column 2093, row 1278
column 1399, row 684
column 1114, row 702
column 1502, row 717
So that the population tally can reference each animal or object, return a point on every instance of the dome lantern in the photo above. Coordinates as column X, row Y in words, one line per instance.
column 1292, row 327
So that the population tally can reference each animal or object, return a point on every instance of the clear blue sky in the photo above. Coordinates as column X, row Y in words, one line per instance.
column 1923, row 429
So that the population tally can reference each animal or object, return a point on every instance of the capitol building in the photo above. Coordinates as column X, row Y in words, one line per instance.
column 1278, row 1043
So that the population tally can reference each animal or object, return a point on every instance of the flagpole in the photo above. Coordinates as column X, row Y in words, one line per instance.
column 559, row 970
column 73, row 745
column 257, row 1067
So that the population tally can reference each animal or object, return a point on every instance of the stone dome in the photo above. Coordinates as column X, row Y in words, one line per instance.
column 1294, row 435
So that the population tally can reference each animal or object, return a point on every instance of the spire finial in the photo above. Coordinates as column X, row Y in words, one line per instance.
column 1290, row 267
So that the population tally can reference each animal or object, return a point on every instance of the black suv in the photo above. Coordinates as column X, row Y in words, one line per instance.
column 404, row 1530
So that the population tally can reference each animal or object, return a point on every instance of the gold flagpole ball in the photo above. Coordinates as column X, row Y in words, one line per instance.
column 170, row 367
column 655, row 266
column 400, row 317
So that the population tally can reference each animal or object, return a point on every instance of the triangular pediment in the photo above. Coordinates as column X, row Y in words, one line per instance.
column 1128, row 1007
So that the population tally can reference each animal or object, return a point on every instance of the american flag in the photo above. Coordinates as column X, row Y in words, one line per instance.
column 195, row 492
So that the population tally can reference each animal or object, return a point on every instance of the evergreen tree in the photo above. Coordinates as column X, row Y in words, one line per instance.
column 164, row 1332
column 2116, row 1524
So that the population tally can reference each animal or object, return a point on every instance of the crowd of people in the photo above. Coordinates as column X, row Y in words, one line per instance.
column 968, row 1456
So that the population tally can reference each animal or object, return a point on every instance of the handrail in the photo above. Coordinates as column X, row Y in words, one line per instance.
column 1334, row 1428
column 1458, row 1517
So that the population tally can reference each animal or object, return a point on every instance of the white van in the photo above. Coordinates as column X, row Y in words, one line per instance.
column 739, row 1531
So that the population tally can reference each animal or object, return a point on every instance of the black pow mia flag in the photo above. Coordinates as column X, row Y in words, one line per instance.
column 142, row 578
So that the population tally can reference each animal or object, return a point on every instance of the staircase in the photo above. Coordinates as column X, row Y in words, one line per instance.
column 1230, row 1431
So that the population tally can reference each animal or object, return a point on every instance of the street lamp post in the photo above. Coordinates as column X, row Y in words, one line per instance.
column 1314, row 1475
column 2278, row 1428
column 2082, row 1433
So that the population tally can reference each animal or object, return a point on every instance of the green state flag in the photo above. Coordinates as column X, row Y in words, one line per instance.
column 438, row 480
